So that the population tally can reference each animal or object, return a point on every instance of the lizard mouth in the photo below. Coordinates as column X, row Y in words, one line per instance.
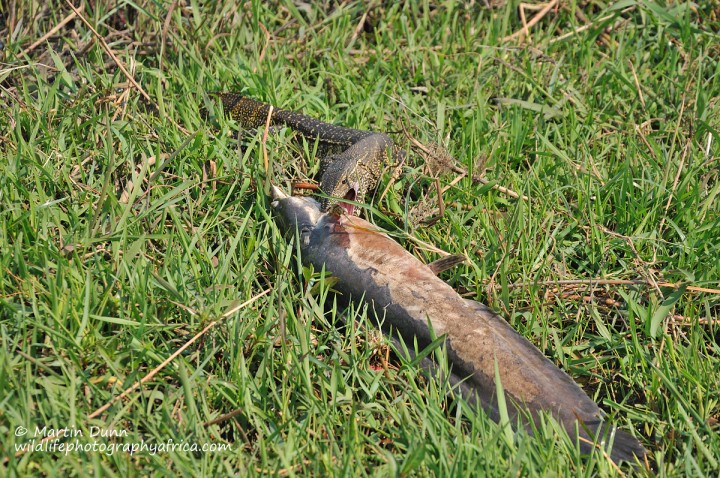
column 350, row 196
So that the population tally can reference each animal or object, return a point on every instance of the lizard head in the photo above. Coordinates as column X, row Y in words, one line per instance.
column 342, row 182
column 347, row 189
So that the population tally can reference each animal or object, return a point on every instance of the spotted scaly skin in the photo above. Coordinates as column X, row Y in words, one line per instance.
column 347, row 175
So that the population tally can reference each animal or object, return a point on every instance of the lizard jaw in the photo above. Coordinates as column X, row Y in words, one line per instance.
column 351, row 195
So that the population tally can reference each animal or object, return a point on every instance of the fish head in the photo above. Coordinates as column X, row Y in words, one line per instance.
column 296, row 213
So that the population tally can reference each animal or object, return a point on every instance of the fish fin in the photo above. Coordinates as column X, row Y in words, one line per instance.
column 625, row 447
column 445, row 263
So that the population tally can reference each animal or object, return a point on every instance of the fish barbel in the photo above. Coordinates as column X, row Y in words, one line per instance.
column 409, row 300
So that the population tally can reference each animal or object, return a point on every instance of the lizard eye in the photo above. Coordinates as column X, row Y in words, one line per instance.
column 344, row 181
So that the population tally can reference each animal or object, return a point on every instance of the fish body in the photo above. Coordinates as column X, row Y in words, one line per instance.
column 411, row 302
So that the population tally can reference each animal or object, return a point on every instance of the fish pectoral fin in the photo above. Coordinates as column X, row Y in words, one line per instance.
column 445, row 263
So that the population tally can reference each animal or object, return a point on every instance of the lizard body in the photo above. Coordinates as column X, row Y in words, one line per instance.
column 346, row 175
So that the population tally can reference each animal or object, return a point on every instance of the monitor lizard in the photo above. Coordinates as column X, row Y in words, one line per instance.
column 347, row 175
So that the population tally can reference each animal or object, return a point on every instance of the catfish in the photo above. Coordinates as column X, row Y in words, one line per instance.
column 412, row 304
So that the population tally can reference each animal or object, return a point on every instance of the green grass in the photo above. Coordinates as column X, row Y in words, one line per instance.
column 611, row 132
